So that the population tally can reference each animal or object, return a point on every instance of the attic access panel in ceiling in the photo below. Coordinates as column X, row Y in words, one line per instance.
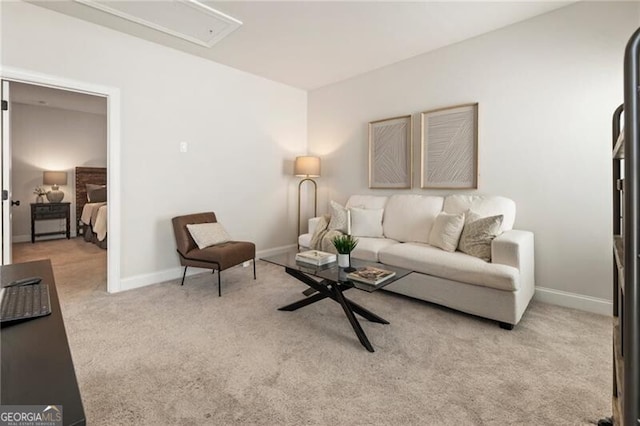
column 187, row 19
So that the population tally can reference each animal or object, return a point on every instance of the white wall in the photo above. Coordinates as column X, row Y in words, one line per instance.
column 546, row 88
column 242, row 132
column 45, row 138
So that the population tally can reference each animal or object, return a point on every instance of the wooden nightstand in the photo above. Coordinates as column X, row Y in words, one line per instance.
column 47, row 211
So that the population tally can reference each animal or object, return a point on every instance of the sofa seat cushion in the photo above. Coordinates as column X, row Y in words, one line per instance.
column 368, row 248
column 455, row 266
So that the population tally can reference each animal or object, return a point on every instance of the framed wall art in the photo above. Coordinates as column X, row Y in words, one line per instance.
column 450, row 147
column 390, row 153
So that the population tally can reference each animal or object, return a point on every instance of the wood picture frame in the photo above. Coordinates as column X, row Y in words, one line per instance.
column 391, row 153
column 449, row 144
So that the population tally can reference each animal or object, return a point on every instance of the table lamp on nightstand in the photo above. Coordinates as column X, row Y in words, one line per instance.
column 54, row 179
column 307, row 167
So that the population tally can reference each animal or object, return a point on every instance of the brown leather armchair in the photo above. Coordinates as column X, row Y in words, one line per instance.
column 218, row 257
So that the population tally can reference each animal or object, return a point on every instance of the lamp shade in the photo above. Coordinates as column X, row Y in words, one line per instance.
column 54, row 178
column 307, row 166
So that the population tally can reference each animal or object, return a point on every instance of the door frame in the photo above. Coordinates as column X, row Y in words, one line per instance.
column 7, row 204
column 112, row 94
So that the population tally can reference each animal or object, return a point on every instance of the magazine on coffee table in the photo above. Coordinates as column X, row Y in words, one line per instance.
column 315, row 257
column 371, row 275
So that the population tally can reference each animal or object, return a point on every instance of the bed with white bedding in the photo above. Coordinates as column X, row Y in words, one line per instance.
column 94, row 220
column 91, row 204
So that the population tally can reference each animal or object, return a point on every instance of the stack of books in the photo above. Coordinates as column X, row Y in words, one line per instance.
column 315, row 257
column 371, row 275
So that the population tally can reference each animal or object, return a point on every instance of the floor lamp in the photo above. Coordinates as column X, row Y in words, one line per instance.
column 307, row 167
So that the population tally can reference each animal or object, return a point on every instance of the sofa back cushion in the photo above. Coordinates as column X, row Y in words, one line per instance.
column 366, row 202
column 410, row 217
column 484, row 205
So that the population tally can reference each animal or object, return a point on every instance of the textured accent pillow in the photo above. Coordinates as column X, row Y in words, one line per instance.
column 478, row 233
column 366, row 222
column 339, row 217
column 91, row 187
column 98, row 195
column 446, row 231
column 208, row 234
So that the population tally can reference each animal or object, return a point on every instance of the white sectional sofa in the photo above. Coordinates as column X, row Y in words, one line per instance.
column 499, row 290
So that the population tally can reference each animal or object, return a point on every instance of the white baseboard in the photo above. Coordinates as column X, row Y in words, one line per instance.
column 144, row 280
column 574, row 300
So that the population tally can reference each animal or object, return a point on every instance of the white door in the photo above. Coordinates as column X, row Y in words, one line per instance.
column 5, row 250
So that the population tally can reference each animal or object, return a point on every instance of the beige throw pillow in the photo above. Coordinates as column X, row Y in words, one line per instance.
column 446, row 231
column 339, row 219
column 208, row 234
column 478, row 233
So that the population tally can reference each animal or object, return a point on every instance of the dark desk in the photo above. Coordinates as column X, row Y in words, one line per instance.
column 37, row 368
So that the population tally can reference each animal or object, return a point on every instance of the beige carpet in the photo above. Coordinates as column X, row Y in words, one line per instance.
column 167, row 354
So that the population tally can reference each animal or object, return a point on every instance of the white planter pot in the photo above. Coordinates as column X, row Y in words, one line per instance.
column 343, row 260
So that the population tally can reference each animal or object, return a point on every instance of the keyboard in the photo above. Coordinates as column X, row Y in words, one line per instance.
column 23, row 302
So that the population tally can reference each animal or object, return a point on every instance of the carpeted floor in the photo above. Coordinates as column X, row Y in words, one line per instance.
column 167, row 354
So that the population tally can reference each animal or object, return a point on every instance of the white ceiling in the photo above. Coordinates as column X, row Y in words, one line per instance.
column 312, row 44
column 55, row 98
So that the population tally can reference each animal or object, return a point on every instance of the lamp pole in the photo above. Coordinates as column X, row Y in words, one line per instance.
column 315, row 198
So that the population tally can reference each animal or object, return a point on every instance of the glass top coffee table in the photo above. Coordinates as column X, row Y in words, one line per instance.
column 332, row 284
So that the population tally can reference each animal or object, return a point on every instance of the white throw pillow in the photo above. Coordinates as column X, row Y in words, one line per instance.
column 446, row 231
column 208, row 234
column 366, row 222
column 339, row 218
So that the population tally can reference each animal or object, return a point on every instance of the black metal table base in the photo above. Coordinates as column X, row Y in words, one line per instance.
column 334, row 291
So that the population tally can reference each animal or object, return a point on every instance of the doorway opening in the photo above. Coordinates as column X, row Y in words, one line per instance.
column 109, row 97
column 56, row 136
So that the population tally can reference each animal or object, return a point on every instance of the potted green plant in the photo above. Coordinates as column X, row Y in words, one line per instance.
column 344, row 244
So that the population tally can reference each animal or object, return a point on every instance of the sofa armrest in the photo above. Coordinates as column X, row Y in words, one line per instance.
column 512, row 248
column 516, row 248
column 304, row 240
column 313, row 223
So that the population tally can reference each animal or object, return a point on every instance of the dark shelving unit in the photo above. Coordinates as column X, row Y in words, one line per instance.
column 626, row 245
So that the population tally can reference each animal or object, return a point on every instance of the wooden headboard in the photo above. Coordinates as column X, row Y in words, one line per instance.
column 85, row 175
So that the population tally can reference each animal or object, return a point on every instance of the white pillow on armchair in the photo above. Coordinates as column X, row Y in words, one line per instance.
column 208, row 234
